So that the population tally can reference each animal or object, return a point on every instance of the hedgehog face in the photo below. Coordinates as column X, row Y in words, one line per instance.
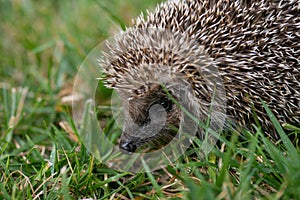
column 151, row 121
column 138, row 62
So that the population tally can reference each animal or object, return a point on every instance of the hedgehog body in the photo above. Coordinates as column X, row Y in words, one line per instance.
column 247, row 50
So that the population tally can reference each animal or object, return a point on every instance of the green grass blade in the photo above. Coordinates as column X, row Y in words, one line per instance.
column 286, row 141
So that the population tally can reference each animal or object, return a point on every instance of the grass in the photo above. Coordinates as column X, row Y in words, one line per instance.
column 42, row 45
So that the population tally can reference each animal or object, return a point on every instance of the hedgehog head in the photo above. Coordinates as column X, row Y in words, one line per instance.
column 158, row 74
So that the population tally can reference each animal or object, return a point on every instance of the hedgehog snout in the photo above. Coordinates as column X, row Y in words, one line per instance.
column 127, row 145
column 139, row 133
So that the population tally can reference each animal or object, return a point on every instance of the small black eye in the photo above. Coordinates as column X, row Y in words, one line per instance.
column 166, row 103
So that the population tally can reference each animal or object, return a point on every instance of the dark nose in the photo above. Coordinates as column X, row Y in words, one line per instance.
column 127, row 147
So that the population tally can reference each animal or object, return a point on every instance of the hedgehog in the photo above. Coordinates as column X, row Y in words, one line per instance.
column 217, row 59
